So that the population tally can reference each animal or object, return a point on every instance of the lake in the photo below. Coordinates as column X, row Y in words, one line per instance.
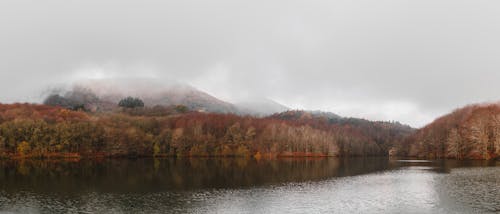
column 238, row 185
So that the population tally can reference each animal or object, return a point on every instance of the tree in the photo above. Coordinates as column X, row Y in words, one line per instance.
column 2, row 145
column 156, row 148
column 233, row 134
column 242, row 151
column 181, row 108
column 454, row 143
column 131, row 102
column 58, row 100
column 23, row 148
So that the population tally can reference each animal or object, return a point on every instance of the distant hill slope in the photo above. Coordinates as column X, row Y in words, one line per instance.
column 384, row 134
column 472, row 132
column 304, row 115
column 103, row 95
column 334, row 119
column 260, row 107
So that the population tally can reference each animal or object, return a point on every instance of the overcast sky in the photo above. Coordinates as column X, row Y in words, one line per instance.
column 409, row 61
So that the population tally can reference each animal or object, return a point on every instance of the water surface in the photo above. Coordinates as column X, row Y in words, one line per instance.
column 328, row 185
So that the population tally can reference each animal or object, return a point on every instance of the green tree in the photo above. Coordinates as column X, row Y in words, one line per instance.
column 58, row 100
column 181, row 108
column 131, row 102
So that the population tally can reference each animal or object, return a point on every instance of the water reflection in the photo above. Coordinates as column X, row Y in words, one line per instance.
column 327, row 185
column 153, row 175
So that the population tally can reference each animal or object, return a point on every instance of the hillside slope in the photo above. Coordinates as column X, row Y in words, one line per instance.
column 384, row 134
column 104, row 95
column 260, row 107
column 43, row 131
column 472, row 132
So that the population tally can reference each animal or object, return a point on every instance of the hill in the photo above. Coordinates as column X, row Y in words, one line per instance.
column 42, row 131
column 104, row 95
column 260, row 107
column 384, row 134
column 472, row 132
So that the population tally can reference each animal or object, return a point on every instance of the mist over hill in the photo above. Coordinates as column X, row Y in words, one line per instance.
column 471, row 132
column 261, row 107
column 104, row 94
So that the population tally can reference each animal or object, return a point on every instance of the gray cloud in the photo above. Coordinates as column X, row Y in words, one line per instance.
column 391, row 60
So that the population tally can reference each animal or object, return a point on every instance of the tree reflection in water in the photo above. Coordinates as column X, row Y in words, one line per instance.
column 170, row 174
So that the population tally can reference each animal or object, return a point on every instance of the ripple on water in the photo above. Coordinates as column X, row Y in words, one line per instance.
column 406, row 189
column 476, row 188
column 398, row 191
column 414, row 161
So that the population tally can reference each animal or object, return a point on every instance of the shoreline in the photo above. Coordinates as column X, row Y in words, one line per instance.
column 78, row 157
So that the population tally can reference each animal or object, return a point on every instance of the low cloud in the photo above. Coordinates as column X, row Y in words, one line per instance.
column 408, row 61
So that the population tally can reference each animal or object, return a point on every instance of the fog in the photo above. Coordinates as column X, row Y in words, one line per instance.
column 409, row 61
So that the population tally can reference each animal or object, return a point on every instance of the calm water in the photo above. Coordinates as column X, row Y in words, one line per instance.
column 356, row 185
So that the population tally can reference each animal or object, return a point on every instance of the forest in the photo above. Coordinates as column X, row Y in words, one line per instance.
column 472, row 132
column 42, row 131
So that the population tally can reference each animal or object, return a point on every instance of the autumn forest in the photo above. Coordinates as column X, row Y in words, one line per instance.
column 42, row 131
column 134, row 130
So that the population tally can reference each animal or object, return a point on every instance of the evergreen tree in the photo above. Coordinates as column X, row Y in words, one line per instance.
column 131, row 102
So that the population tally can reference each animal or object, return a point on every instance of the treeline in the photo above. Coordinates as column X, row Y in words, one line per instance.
column 384, row 134
column 42, row 131
column 472, row 132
